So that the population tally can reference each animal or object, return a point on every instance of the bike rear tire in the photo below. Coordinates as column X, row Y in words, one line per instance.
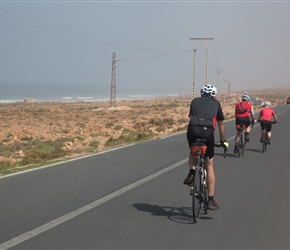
column 265, row 143
column 205, row 199
column 196, row 201
column 243, row 148
column 239, row 150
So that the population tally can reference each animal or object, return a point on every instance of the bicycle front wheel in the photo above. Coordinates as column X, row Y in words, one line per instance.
column 196, row 201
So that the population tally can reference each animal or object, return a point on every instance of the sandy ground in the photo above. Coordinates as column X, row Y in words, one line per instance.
column 84, row 122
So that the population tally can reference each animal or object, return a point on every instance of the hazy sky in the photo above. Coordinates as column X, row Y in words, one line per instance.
column 71, row 43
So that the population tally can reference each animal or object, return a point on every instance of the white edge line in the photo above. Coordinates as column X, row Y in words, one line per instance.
column 64, row 161
column 41, row 229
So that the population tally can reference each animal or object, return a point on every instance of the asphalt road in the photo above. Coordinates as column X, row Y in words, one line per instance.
column 133, row 198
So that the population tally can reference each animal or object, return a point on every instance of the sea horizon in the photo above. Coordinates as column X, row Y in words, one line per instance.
column 12, row 92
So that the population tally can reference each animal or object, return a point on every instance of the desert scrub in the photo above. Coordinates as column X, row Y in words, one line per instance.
column 45, row 151
column 94, row 144
column 118, row 127
column 80, row 138
column 6, row 150
column 109, row 124
column 6, row 164
column 128, row 138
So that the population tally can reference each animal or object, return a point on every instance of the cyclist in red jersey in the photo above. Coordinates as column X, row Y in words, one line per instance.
column 243, row 117
column 265, row 119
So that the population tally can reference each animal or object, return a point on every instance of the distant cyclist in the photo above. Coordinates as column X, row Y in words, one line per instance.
column 243, row 111
column 205, row 112
column 265, row 119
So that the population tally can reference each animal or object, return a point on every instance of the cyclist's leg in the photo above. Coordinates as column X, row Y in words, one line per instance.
column 212, row 203
column 248, row 129
column 192, row 134
column 262, row 123
column 210, row 176
column 209, row 165
column 237, row 138
column 263, row 129
column 268, row 131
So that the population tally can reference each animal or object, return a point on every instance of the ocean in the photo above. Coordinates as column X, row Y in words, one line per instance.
column 18, row 92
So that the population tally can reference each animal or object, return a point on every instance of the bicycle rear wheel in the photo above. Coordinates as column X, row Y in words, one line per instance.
column 239, row 149
column 265, row 145
column 265, row 142
column 196, row 202
column 205, row 199
column 243, row 148
column 243, row 143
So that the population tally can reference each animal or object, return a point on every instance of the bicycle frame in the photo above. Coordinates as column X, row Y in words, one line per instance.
column 242, row 141
column 265, row 140
column 198, row 190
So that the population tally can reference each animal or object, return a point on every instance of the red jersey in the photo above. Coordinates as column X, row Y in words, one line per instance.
column 266, row 114
column 247, row 105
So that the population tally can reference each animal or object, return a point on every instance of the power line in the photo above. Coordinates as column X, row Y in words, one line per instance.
column 158, row 55
column 70, row 33
column 49, row 39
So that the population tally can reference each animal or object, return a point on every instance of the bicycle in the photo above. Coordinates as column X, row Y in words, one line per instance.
column 199, row 190
column 265, row 139
column 242, row 141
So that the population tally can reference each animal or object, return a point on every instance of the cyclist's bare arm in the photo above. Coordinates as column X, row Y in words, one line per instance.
column 252, row 114
column 221, row 130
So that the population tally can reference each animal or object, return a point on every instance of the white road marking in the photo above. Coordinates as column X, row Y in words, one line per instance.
column 32, row 233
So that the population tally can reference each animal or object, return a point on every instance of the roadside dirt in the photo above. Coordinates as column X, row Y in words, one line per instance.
column 86, row 122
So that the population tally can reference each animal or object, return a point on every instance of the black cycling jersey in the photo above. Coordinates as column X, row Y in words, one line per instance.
column 204, row 112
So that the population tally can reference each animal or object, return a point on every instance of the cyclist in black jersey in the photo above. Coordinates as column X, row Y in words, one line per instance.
column 205, row 113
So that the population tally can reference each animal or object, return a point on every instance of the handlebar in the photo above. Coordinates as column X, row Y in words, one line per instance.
column 253, row 123
column 219, row 145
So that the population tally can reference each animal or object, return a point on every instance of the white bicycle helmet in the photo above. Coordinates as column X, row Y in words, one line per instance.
column 208, row 90
column 267, row 104
column 246, row 98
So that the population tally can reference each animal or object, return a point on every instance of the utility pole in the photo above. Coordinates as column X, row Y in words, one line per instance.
column 193, row 75
column 113, row 81
column 228, row 88
column 218, row 78
column 194, row 59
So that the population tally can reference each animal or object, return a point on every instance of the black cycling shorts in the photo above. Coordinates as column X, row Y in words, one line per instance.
column 243, row 120
column 194, row 132
column 266, row 125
